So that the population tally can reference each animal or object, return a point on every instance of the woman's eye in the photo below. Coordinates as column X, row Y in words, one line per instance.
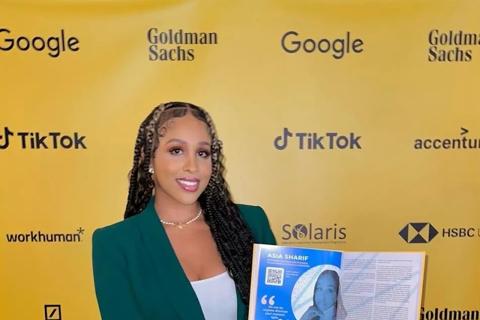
column 175, row 151
column 204, row 154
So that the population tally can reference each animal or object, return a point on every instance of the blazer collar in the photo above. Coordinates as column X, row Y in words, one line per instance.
column 169, row 269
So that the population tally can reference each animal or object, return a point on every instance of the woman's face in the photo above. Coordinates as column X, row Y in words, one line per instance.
column 325, row 292
column 182, row 161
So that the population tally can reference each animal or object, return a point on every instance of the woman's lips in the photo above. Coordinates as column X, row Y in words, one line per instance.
column 190, row 185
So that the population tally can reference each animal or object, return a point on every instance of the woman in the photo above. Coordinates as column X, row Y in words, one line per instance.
column 184, row 249
column 324, row 298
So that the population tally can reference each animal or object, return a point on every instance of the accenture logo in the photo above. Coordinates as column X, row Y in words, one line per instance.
column 457, row 143
column 418, row 232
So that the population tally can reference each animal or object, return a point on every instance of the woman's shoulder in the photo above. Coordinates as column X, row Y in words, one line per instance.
column 251, row 212
column 116, row 231
column 257, row 222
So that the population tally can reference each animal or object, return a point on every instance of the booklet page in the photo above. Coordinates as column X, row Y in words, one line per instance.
column 294, row 283
column 379, row 286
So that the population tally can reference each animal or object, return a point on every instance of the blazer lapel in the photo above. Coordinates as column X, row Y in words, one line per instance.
column 241, row 310
column 170, row 273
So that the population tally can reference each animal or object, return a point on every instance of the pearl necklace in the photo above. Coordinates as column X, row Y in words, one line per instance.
column 180, row 225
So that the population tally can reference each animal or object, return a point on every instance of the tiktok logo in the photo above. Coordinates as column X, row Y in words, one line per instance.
column 318, row 141
column 41, row 140
column 5, row 137
column 281, row 142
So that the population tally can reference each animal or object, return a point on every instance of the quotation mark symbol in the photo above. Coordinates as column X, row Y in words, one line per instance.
column 270, row 301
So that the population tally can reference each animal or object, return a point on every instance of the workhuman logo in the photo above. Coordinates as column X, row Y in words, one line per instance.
column 45, row 237
column 53, row 45
column 424, row 232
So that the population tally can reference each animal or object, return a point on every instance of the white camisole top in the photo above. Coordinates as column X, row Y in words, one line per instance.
column 217, row 297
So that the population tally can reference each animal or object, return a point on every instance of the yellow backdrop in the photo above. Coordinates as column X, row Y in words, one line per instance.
column 378, row 101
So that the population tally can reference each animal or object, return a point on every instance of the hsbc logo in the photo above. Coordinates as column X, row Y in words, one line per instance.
column 418, row 232
column 424, row 232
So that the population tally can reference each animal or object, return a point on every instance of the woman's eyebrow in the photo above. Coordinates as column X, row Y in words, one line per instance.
column 176, row 140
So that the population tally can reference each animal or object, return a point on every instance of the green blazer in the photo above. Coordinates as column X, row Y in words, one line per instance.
column 138, row 276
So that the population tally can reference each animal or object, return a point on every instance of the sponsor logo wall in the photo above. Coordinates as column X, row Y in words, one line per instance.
column 355, row 128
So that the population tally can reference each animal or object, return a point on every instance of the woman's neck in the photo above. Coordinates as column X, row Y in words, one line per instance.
column 174, row 211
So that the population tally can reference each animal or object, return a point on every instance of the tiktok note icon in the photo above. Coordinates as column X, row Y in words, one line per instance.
column 5, row 136
column 281, row 141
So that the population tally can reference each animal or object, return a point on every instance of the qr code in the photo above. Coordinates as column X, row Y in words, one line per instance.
column 274, row 276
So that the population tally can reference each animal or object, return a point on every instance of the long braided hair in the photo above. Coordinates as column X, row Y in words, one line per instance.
column 232, row 236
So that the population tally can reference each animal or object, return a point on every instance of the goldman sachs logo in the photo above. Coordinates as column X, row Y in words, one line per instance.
column 176, row 45
column 449, row 313
column 452, row 45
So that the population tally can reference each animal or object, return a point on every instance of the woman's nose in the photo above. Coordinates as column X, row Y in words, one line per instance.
column 191, row 163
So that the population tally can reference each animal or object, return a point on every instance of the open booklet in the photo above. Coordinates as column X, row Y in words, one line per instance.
column 312, row 284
